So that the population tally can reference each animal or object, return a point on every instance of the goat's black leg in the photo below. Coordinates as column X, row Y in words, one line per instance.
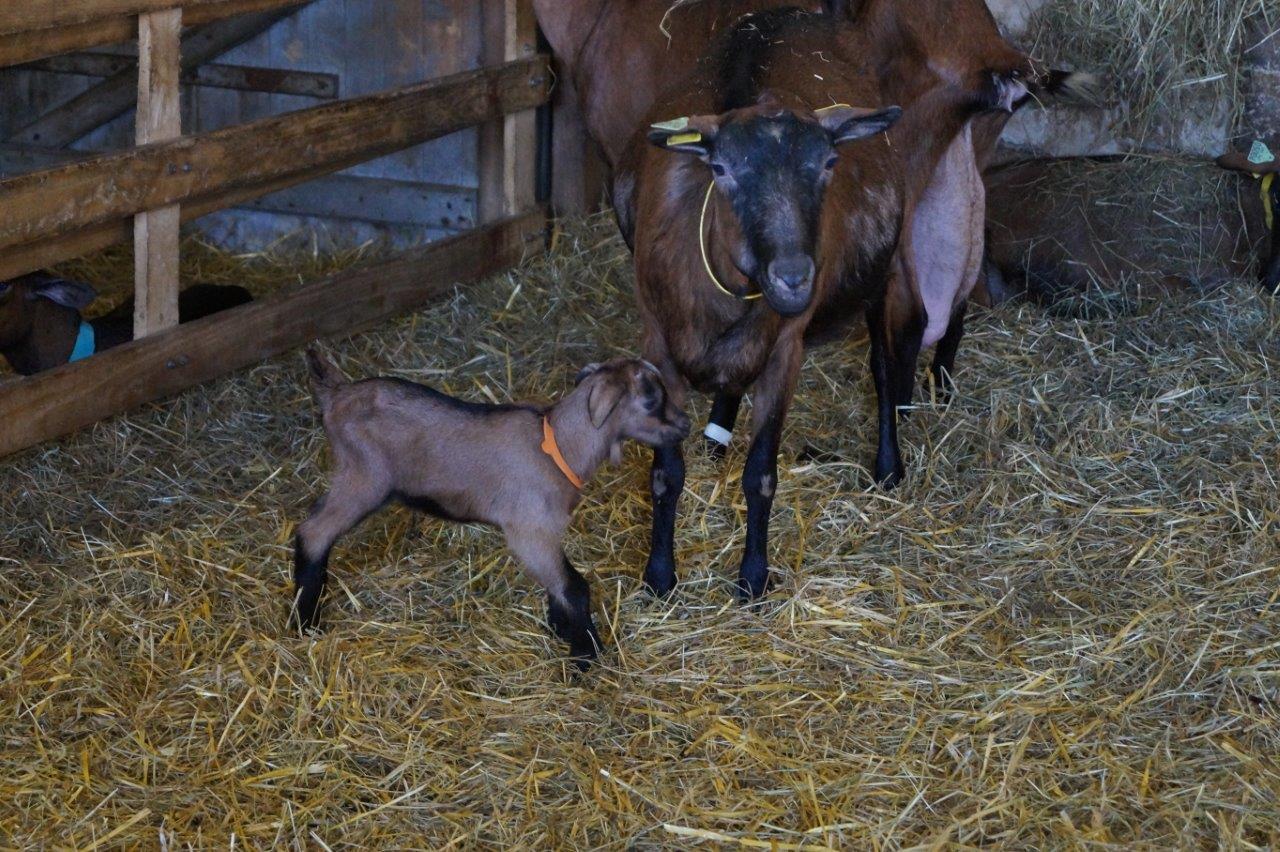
column 666, row 482
column 759, row 483
column 895, row 350
column 724, row 413
column 569, row 616
column 568, row 592
column 310, row 573
column 1271, row 269
column 944, row 357
column 774, row 390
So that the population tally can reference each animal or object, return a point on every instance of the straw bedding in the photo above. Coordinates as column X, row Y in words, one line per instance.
column 1062, row 630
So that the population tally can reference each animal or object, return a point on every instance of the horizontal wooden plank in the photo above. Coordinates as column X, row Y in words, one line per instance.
column 243, row 78
column 19, row 46
column 35, row 15
column 378, row 200
column 60, row 201
column 46, row 406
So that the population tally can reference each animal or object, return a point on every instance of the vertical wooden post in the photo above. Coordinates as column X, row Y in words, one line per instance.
column 508, row 147
column 155, row 233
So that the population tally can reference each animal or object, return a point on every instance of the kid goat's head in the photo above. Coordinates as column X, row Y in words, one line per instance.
column 773, row 165
column 630, row 393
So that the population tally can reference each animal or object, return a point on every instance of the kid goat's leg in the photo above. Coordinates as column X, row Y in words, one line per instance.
column 568, row 593
column 346, row 504
column 773, row 392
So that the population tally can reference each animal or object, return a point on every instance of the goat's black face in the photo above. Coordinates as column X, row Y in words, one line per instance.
column 773, row 166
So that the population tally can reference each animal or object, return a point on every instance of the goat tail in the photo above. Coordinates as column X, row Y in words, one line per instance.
column 325, row 375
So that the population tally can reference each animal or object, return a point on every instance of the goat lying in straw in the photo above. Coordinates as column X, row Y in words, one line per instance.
column 516, row 467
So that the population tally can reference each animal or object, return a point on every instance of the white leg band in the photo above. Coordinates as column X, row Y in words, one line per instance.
column 719, row 434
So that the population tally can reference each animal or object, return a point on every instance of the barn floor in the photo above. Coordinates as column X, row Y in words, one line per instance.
column 1062, row 630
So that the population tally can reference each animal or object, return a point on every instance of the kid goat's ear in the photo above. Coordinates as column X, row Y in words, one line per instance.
column 584, row 373
column 686, row 135
column 846, row 123
column 604, row 398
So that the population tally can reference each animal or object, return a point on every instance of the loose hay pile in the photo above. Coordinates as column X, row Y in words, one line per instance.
column 1167, row 60
column 1062, row 630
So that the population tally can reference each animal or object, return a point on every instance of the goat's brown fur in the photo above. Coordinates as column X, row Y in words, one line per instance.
column 395, row 440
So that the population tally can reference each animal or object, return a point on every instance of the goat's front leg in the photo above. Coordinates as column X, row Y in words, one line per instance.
column 773, row 393
column 666, row 481
column 897, row 331
column 568, row 593
column 724, row 414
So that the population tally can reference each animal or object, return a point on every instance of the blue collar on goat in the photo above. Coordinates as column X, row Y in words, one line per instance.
column 86, row 343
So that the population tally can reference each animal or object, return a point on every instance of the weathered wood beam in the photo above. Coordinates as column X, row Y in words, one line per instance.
column 80, row 116
column 27, row 45
column 155, row 232
column 376, row 200
column 242, row 78
column 40, row 408
column 58, row 202
column 353, row 197
column 507, row 155
column 33, row 15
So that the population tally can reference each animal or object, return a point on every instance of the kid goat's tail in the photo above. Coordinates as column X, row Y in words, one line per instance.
column 325, row 375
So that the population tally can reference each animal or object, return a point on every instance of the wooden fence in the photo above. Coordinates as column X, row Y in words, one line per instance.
column 89, row 203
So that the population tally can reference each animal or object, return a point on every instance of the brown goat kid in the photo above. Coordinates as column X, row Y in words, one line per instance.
column 41, row 327
column 516, row 467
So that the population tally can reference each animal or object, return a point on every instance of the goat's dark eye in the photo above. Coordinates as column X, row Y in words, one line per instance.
column 718, row 170
column 831, row 164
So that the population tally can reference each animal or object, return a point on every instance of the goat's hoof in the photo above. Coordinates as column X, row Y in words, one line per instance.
column 753, row 584
column 891, row 478
column 716, row 451
column 583, row 656
column 660, row 580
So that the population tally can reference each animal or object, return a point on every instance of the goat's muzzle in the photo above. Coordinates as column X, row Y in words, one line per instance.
column 789, row 287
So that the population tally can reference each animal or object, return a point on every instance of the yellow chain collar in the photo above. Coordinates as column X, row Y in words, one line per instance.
column 1266, row 201
column 702, row 244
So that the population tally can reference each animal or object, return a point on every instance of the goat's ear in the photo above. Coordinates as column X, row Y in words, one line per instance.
column 69, row 294
column 686, row 135
column 604, row 398
column 846, row 123
column 584, row 373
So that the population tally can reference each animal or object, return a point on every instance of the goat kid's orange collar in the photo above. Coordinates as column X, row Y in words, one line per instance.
column 552, row 449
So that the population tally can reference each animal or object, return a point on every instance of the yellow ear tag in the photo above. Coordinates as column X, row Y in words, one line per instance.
column 683, row 139
column 825, row 110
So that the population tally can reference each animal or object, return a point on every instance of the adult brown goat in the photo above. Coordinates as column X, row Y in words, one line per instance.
column 622, row 54
column 748, row 196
